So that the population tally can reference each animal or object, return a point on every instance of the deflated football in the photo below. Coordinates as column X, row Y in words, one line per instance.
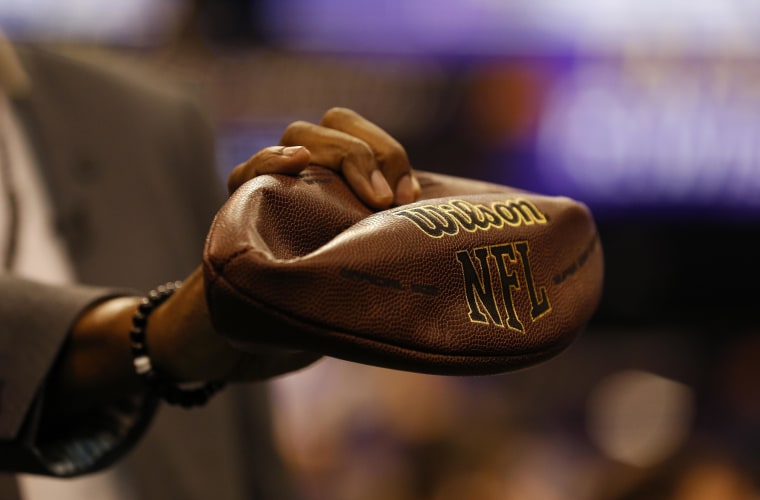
column 473, row 278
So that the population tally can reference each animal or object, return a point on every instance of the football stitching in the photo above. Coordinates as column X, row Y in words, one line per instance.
column 308, row 323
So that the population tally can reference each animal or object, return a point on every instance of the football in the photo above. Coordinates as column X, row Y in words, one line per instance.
column 473, row 278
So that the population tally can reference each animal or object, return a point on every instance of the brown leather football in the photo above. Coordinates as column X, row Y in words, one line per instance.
column 473, row 278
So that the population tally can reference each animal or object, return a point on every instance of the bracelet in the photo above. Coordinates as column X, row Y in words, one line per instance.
column 169, row 392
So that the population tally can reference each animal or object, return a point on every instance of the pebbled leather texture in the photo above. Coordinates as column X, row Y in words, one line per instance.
column 473, row 278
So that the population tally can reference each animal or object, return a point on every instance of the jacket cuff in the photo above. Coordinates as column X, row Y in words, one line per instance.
column 79, row 445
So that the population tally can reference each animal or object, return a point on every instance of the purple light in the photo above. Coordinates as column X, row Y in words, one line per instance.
column 456, row 27
column 683, row 138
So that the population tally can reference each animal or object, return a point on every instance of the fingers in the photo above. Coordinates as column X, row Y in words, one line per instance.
column 390, row 156
column 271, row 160
column 343, row 153
column 374, row 163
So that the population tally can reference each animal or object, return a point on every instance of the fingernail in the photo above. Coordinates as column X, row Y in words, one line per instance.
column 404, row 190
column 380, row 185
column 291, row 150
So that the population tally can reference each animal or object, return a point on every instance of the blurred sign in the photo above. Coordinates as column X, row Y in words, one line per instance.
column 658, row 133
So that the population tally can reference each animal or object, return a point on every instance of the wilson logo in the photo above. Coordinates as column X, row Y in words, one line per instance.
column 511, row 262
column 449, row 218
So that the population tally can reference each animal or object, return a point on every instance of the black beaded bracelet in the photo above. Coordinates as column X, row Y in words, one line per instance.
column 169, row 392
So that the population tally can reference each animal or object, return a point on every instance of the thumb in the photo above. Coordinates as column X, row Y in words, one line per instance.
column 271, row 160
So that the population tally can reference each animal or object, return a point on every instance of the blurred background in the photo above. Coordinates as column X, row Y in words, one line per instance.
column 648, row 111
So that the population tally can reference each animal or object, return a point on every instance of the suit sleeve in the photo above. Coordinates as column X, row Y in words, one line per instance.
column 36, row 321
column 154, row 147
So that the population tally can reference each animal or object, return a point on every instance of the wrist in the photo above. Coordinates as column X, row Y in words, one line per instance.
column 182, row 341
column 161, row 382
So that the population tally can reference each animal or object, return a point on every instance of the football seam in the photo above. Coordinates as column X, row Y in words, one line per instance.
column 219, row 266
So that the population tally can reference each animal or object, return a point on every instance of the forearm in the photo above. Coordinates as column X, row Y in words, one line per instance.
column 95, row 366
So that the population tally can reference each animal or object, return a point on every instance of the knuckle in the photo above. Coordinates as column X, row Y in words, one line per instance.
column 337, row 114
column 293, row 130
column 360, row 151
column 394, row 157
column 360, row 148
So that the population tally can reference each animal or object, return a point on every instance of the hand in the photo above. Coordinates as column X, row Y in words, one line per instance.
column 96, row 364
column 370, row 160
column 368, row 157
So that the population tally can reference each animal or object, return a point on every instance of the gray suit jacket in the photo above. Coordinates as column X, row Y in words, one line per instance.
column 129, row 168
